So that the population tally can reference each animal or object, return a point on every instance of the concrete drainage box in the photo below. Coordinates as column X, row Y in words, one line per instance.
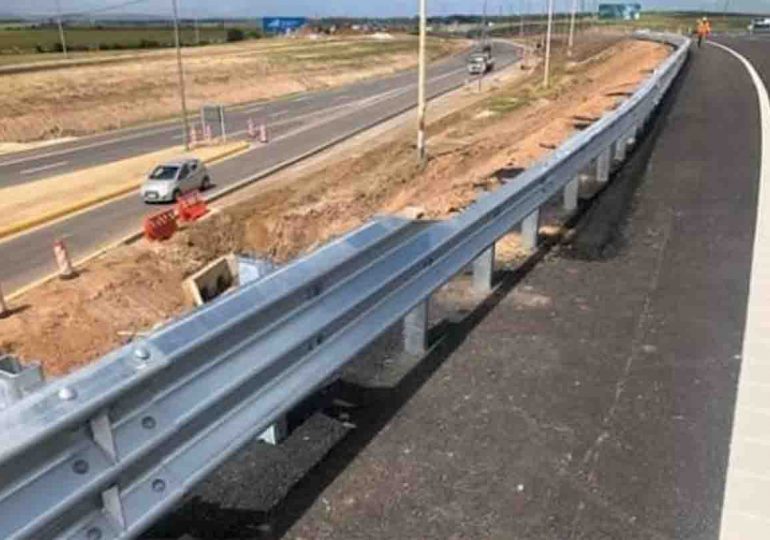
column 223, row 275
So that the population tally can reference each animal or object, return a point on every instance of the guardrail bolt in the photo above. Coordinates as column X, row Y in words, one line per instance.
column 148, row 422
column 158, row 486
column 142, row 353
column 80, row 466
column 67, row 394
column 94, row 533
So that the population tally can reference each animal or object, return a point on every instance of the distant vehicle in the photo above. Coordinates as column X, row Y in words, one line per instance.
column 168, row 181
column 480, row 63
column 760, row 25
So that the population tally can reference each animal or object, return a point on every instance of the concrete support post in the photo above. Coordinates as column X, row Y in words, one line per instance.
column 633, row 136
column 276, row 433
column 620, row 149
column 483, row 271
column 529, row 231
column 603, row 166
column 416, row 329
column 571, row 194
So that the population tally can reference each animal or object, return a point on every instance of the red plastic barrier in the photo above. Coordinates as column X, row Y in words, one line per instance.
column 161, row 226
column 191, row 207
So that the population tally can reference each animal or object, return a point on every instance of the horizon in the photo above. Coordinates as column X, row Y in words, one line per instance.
column 239, row 9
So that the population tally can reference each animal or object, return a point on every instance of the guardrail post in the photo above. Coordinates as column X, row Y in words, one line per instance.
column 276, row 433
column 571, row 194
column 17, row 380
column 416, row 329
column 483, row 271
column 603, row 166
column 620, row 148
column 633, row 136
column 529, row 231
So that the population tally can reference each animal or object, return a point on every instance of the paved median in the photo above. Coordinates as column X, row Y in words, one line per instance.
column 29, row 205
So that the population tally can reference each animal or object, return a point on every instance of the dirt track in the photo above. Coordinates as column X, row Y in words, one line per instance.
column 69, row 324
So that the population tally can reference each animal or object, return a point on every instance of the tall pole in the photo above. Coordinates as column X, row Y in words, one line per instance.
column 549, row 30
column 197, row 32
column 571, row 40
column 521, row 21
column 62, row 37
column 178, row 43
column 421, row 103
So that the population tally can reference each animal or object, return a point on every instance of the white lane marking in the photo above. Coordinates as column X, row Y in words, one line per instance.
column 278, row 114
column 55, row 153
column 737, row 521
column 44, row 167
column 254, row 110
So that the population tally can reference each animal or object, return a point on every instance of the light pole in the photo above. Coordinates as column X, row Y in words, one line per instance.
column 177, row 42
column 549, row 29
column 571, row 40
column 421, row 102
column 62, row 37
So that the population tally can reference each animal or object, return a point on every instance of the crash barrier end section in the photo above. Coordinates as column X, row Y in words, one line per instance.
column 160, row 226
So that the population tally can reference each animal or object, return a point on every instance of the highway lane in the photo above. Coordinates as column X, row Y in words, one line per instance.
column 28, row 257
column 70, row 156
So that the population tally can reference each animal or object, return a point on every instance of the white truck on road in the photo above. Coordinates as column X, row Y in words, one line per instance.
column 481, row 62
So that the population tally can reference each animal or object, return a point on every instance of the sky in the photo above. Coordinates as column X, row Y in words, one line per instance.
column 354, row 8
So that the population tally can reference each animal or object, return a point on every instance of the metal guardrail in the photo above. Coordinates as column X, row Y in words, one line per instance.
column 104, row 452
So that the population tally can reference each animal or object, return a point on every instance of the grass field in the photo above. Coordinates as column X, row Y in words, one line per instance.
column 674, row 21
column 14, row 40
column 142, row 86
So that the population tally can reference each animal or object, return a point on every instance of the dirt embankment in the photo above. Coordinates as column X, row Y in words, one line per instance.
column 67, row 324
column 91, row 98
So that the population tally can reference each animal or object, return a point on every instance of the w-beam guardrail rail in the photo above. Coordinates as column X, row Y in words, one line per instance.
column 103, row 453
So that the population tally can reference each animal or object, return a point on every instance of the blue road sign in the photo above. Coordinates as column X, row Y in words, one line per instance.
column 276, row 25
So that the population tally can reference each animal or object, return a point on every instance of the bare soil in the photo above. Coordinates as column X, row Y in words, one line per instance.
column 85, row 99
column 68, row 324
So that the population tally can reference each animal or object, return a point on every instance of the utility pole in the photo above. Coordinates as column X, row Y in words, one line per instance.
column 421, row 102
column 483, row 42
column 549, row 29
column 521, row 21
column 571, row 40
column 197, row 32
column 178, row 43
column 62, row 37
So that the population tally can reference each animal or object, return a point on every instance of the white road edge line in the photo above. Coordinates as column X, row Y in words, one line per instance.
column 44, row 167
column 739, row 522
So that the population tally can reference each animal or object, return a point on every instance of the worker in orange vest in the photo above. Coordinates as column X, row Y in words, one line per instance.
column 704, row 30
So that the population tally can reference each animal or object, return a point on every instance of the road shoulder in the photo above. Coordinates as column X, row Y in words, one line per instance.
column 595, row 399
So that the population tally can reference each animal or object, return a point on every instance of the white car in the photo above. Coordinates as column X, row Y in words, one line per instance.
column 167, row 182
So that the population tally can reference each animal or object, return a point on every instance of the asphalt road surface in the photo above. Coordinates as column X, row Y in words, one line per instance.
column 297, row 125
column 591, row 396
